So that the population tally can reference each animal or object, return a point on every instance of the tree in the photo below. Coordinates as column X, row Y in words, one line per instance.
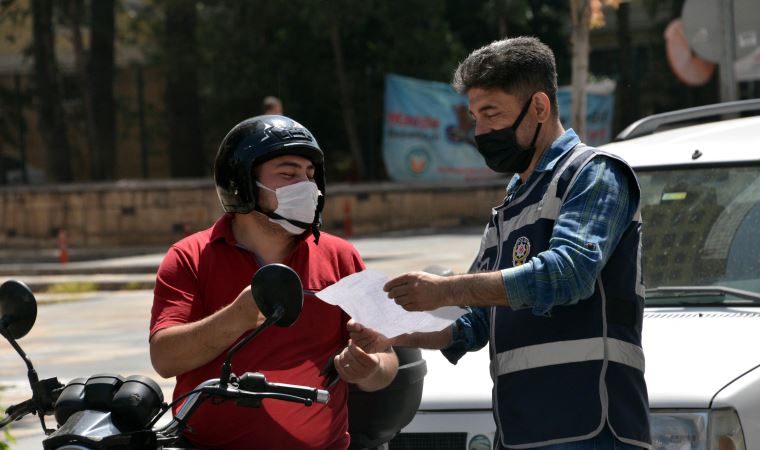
column 626, row 103
column 346, row 98
column 52, row 119
column 585, row 14
column 182, row 103
column 413, row 38
column 74, row 13
column 326, row 61
column 12, row 98
column 101, row 73
column 580, row 11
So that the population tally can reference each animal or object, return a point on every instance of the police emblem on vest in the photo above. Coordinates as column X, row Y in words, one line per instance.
column 562, row 378
column 520, row 251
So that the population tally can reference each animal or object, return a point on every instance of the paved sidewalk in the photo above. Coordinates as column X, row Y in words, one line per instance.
column 14, row 262
column 109, row 273
column 122, row 269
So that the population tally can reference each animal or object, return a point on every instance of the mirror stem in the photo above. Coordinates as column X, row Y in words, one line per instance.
column 227, row 366
column 31, row 374
column 4, row 332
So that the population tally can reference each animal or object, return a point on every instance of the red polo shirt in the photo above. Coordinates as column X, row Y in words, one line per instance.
column 206, row 271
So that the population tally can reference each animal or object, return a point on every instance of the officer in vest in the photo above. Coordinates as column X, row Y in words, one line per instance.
column 556, row 288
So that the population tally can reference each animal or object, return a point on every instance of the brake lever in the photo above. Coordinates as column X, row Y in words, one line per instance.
column 15, row 412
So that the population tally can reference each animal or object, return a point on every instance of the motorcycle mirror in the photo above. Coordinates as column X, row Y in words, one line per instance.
column 18, row 309
column 277, row 286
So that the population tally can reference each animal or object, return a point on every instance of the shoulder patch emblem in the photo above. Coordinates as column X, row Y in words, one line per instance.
column 520, row 251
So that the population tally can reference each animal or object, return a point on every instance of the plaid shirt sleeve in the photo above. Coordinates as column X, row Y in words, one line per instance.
column 469, row 333
column 591, row 221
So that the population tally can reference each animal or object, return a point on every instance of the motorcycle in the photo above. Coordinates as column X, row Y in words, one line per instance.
column 108, row 411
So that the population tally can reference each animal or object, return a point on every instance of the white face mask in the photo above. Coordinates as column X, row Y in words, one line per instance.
column 297, row 202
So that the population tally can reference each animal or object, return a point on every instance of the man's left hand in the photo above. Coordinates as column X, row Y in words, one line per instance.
column 354, row 364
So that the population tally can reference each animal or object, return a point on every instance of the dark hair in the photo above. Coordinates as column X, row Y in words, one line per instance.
column 518, row 66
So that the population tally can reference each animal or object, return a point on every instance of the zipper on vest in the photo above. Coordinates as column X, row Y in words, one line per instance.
column 494, row 372
column 498, row 241
column 499, row 221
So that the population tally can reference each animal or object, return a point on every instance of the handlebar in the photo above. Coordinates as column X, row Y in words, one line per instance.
column 257, row 383
column 44, row 394
column 248, row 390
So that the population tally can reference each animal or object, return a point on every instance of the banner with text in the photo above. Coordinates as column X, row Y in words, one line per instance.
column 600, row 106
column 428, row 135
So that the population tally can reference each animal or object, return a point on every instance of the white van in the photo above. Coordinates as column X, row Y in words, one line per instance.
column 701, row 208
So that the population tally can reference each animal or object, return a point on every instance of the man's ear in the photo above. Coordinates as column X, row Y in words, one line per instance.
column 542, row 105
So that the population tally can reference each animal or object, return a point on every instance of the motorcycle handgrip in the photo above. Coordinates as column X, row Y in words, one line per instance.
column 257, row 382
column 314, row 394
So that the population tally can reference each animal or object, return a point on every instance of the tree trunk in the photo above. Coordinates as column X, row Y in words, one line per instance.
column 501, row 9
column 345, row 97
column 182, row 104
column 52, row 121
column 581, row 13
column 627, row 107
column 536, row 16
column 101, row 74
column 74, row 13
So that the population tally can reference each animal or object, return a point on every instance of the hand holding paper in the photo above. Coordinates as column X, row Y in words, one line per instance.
column 361, row 296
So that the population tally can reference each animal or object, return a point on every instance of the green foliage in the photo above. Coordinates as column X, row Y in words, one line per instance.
column 252, row 49
column 13, row 15
column 247, row 50
column 136, row 286
column 6, row 437
column 72, row 287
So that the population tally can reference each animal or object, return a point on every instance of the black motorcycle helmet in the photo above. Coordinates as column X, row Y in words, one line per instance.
column 253, row 142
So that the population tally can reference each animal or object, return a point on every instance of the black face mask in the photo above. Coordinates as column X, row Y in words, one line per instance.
column 501, row 150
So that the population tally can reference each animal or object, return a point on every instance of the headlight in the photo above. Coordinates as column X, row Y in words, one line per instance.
column 479, row 442
column 725, row 431
column 697, row 430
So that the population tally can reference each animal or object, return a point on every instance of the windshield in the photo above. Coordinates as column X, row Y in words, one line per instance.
column 701, row 229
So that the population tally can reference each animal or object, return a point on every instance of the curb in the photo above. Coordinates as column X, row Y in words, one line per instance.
column 72, row 269
column 75, row 284
column 44, row 298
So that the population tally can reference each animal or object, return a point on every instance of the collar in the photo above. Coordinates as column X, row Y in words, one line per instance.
column 222, row 229
column 559, row 148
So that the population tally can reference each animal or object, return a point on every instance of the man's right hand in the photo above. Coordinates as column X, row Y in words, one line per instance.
column 247, row 306
column 180, row 348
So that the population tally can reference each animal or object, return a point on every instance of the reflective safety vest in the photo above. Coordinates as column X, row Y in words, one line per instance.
column 562, row 378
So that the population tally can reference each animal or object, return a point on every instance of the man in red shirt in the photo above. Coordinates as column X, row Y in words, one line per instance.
column 269, row 174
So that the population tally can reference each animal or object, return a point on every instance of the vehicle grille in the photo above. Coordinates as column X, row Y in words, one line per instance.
column 694, row 315
column 429, row 441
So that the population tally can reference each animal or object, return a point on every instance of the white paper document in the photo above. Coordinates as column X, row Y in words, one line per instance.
column 362, row 297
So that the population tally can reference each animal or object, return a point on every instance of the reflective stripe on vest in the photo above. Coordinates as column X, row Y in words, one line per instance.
column 563, row 352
